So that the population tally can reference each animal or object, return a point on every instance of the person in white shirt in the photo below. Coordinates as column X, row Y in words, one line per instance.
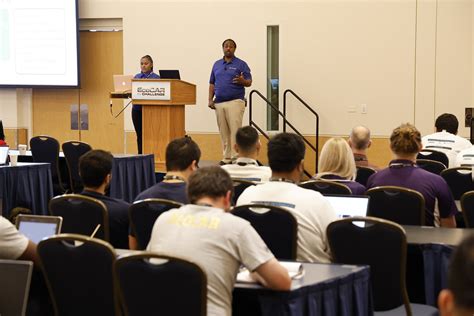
column 247, row 145
column 204, row 233
column 465, row 158
column 446, row 139
column 312, row 211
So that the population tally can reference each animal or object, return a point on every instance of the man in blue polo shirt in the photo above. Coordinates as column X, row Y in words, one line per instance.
column 229, row 77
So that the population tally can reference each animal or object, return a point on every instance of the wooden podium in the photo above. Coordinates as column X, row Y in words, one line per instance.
column 163, row 115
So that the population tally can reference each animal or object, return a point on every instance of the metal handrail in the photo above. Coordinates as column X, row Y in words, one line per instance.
column 252, row 123
column 312, row 111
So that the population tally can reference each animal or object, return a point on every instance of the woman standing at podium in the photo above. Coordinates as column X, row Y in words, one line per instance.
column 146, row 65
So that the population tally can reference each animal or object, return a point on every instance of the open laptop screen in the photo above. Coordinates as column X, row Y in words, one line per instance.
column 15, row 276
column 169, row 74
column 349, row 205
column 36, row 228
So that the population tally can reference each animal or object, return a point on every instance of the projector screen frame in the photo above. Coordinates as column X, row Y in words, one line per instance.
column 78, row 64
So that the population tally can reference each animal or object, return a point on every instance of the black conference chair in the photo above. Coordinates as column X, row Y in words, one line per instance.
column 239, row 186
column 467, row 206
column 276, row 226
column 160, row 286
column 433, row 155
column 46, row 149
column 79, row 278
column 382, row 245
column 81, row 215
column 363, row 174
column 326, row 187
column 397, row 204
column 459, row 180
column 432, row 166
column 143, row 215
column 73, row 150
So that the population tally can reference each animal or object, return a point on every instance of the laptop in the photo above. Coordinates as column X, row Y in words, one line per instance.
column 37, row 227
column 349, row 205
column 15, row 276
column 122, row 83
column 169, row 74
column 3, row 155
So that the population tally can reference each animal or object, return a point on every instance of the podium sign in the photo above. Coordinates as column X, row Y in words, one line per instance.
column 151, row 90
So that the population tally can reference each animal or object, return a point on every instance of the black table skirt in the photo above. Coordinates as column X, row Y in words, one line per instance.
column 131, row 175
column 28, row 186
column 349, row 295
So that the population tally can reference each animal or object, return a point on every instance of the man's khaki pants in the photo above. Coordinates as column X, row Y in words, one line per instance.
column 229, row 119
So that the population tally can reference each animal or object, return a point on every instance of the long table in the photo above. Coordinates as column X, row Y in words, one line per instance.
column 131, row 174
column 26, row 185
column 434, row 246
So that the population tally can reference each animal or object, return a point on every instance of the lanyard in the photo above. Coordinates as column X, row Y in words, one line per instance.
column 173, row 177
column 282, row 180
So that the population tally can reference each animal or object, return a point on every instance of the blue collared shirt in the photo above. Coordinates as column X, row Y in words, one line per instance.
column 142, row 75
column 222, row 75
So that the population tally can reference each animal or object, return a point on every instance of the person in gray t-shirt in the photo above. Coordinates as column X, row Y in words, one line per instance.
column 204, row 233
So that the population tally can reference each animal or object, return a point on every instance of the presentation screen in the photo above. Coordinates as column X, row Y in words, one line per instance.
column 39, row 43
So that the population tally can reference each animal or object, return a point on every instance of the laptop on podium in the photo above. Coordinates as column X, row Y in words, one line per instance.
column 122, row 83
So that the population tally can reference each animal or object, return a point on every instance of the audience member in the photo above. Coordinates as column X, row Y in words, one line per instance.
column 95, row 168
column 312, row 211
column 14, row 245
column 204, row 233
column 405, row 143
column 360, row 141
column 2, row 135
column 458, row 298
column 445, row 139
column 336, row 163
column 465, row 158
column 182, row 158
column 247, row 145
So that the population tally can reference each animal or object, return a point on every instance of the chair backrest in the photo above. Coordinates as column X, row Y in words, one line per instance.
column 459, row 180
column 160, row 285
column 397, row 204
column 363, row 174
column 78, row 273
column 15, row 278
column 467, row 206
column 239, row 186
column 81, row 215
column 381, row 245
column 432, row 166
column 433, row 155
column 46, row 149
column 143, row 215
column 276, row 226
column 73, row 150
column 326, row 187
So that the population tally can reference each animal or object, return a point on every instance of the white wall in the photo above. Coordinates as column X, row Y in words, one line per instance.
column 407, row 60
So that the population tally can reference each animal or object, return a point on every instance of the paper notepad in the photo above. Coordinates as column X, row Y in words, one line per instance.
column 295, row 271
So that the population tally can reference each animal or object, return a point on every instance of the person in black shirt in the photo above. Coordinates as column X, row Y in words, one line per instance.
column 95, row 168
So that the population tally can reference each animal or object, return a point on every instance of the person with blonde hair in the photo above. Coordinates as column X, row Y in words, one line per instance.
column 405, row 143
column 336, row 163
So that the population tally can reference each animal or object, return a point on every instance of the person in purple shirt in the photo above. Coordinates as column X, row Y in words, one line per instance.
column 336, row 163
column 405, row 143
column 146, row 65
column 229, row 77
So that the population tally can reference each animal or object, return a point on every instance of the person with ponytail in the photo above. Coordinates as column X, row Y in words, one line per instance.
column 146, row 65
column 405, row 143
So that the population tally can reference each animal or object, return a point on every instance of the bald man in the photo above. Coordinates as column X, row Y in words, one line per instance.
column 359, row 140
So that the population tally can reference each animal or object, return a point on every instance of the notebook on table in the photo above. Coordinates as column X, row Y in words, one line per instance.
column 349, row 205
column 36, row 227
column 15, row 278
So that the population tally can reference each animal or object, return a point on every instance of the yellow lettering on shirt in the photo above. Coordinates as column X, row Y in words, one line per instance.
column 194, row 221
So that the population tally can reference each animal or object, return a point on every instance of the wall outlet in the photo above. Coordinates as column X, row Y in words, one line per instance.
column 351, row 109
column 363, row 108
